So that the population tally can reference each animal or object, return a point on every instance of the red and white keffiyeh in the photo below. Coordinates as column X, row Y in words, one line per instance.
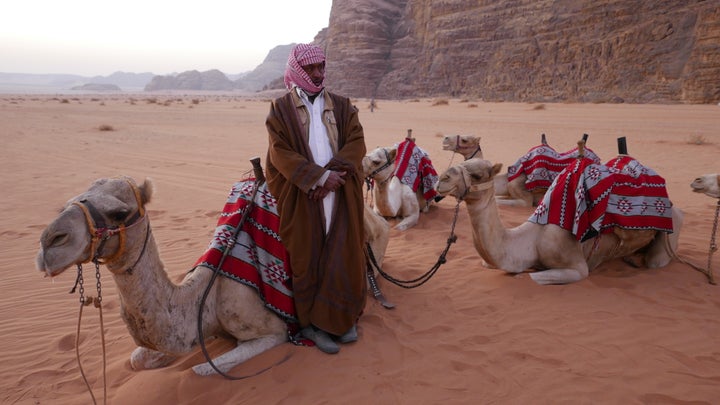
column 303, row 55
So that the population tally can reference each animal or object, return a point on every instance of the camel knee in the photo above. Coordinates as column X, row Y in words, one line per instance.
column 407, row 223
column 143, row 358
column 560, row 276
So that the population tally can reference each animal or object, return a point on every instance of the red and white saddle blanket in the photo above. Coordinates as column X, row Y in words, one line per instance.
column 257, row 257
column 541, row 164
column 414, row 168
column 588, row 199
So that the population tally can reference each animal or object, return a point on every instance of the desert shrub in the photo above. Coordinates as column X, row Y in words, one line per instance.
column 106, row 127
column 539, row 107
column 440, row 101
column 697, row 140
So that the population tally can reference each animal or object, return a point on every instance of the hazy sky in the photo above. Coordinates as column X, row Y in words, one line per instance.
column 100, row 37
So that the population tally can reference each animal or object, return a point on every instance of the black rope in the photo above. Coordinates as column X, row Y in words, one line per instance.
column 251, row 204
column 418, row 281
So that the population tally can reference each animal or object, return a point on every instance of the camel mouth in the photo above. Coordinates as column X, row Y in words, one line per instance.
column 697, row 188
column 43, row 267
column 447, row 145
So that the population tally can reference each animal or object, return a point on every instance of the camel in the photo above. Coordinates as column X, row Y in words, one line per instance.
column 555, row 252
column 512, row 193
column 709, row 184
column 468, row 146
column 160, row 315
column 392, row 198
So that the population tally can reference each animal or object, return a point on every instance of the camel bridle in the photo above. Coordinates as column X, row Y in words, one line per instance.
column 458, row 148
column 471, row 188
column 388, row 163
column 100, row 232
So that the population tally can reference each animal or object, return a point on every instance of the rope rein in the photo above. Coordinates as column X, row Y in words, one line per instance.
column 713, row 247
column 97, row 301
column 418, row 281
column 259, row 180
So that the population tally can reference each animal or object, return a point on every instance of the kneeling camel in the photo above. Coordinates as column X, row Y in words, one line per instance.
column 109, row 222
column 555, row 252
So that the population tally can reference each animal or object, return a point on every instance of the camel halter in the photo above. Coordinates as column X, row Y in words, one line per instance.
column 458, row 148
column 388, row 163
column 473, row 187
column 100, row 232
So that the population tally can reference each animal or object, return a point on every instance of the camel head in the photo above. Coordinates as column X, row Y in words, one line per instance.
column 379, row 163
column 708, row 184
column 93, row 224
column 466, row 145
column 470, row 176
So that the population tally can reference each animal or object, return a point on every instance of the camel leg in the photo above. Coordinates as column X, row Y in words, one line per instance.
column 560, row 276
column 410, row 212
column 243, row 352
column 519, row 196
column 143, row 358
column 657, row 254
column 408, row 221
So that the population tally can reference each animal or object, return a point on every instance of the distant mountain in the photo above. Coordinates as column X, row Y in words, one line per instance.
column 124, row 79
column 212, row 80
column 272, row 68
column 50, row 83
column 266, row 75
column 101, row 87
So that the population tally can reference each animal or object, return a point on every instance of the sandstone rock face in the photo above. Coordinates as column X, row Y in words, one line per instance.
column 526, row 50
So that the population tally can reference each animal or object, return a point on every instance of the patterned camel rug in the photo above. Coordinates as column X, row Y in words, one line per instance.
column 541, row 164
column 258, row 258
column 588, row 199
column 414, row 168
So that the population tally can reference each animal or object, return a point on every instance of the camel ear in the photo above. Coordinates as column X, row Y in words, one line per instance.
column 496, row 168
column 146, row 190
column 392, row 153
column 718, row 180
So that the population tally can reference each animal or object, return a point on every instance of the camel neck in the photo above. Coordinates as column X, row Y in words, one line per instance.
column 488, row 230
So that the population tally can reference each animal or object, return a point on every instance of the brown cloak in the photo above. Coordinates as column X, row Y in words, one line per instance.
column 328, row 270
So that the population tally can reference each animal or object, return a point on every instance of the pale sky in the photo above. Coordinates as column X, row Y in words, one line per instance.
column 100, row 37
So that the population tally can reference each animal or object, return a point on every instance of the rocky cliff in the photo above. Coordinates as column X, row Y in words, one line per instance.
column 526, row 50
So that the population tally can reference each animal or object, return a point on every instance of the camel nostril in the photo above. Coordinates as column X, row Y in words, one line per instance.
column 58, row 240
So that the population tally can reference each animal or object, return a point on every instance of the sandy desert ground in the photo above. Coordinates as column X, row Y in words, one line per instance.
column 469, row 335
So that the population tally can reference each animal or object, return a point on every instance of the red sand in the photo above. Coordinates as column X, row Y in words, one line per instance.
column 469, row 335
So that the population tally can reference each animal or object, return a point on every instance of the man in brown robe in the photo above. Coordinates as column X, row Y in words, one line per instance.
column 314, row 169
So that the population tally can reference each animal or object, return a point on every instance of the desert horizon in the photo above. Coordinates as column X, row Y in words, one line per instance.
column 469, row 335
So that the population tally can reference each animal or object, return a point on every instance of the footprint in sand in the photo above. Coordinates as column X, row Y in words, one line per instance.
column 67, row 342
